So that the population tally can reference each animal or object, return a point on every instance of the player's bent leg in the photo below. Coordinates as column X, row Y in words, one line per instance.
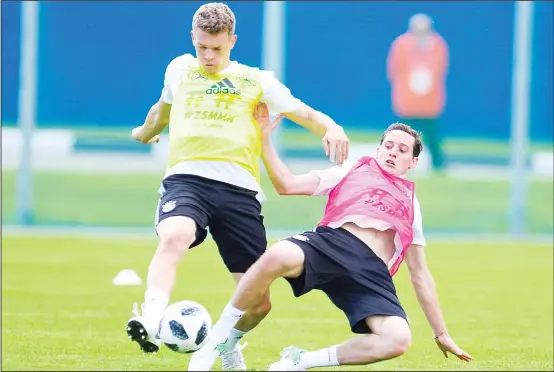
column 176, row 233
column 233, row 360
column 391, row 338
column 283, row 259
column 362, row 288
column 256, row 313
column 238, row 230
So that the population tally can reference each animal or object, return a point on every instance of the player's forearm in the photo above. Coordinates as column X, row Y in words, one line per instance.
column 280, row 175
column 426, row 293
column 313, row 120
column 155, row 122
column 319, row 123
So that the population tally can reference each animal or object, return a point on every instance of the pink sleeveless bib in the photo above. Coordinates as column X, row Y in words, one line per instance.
column 369, row 191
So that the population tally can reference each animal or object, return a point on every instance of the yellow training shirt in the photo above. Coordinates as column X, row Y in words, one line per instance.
column 211, row 117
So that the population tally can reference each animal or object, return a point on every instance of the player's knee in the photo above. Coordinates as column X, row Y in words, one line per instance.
column 175, row 241
column 283, row 259
column 398, row 336
column 176, row 236
column 400, row 343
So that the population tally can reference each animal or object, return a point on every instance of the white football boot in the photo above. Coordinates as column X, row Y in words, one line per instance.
column 204, row 358
column 290, row 360
column 144, row 331
column 234, row 360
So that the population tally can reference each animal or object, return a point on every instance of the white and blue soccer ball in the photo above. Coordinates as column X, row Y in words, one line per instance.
column 185, row 326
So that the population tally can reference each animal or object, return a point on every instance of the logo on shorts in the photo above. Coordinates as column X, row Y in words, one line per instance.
column 300, row 237
column 169, row 206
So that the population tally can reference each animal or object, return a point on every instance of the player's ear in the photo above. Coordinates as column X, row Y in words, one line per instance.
column 413, row 163
column 233, row 41
column 192, row 36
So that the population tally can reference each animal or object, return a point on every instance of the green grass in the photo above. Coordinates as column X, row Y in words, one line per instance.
column 130, row 200
column 61, row 312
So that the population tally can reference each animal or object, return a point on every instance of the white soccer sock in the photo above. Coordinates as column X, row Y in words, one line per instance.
column 234, row 338
column 320, row 358
column 229, row 318
column 155, row 302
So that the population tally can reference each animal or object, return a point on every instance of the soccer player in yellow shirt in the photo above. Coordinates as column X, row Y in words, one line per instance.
column 213, row 177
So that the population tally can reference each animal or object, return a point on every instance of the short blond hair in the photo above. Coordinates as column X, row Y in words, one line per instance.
column 214, row 18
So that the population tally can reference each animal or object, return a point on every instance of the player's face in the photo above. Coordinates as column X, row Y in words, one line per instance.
column 213, row 51
column 395, row 155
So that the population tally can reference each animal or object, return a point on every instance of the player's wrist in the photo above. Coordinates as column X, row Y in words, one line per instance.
column 331, row 125
column 440, row 334
column 266, row 139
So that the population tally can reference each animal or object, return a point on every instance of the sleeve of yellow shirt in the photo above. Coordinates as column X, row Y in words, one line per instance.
column 173, row 74
column 276, row 95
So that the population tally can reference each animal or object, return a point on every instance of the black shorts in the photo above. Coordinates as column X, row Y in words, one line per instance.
column 348, row 271
column 232, row 214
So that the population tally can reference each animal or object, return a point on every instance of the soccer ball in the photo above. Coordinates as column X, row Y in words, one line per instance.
column 185, row 326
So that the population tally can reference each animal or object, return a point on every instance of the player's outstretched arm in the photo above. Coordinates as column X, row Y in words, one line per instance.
column 426, row 293
column 284, row 181
column 156, row 121
column 335, row 141
column 281, row 100
column 158, row 116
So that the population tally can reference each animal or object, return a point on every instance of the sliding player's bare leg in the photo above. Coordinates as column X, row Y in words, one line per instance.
column 232, row 359
column 389, row 339
column 357, row 282
column 176, row 235
column 284, row 259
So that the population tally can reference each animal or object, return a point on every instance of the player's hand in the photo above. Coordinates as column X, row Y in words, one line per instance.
column 261, row 115
column 138, row 134
column 447, row 345
column 336, row 144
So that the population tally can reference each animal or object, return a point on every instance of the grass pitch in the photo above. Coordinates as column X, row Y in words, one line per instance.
column 60, row 310
column 129, row 200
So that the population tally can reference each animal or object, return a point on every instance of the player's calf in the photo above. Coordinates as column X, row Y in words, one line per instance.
column 255, row 314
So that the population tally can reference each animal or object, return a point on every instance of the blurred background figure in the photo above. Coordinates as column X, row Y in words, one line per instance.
column 417, row 66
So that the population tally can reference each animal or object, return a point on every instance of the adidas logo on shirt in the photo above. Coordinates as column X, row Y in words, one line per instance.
column 223, row 87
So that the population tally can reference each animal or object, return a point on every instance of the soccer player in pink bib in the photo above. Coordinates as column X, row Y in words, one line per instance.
column 372, row 222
